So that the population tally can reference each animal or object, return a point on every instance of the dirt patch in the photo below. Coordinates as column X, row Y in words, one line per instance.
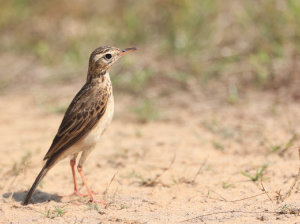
column 185, row 168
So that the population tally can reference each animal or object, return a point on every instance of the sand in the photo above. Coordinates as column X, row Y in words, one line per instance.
column 184, row 168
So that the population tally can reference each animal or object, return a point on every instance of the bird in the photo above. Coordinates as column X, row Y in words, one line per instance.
column 86, row 118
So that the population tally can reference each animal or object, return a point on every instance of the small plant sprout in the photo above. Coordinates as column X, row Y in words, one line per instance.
column 283, row 147
column 92, row 206
column 47, row 214
column 289, row 209
column 258, row 173
column 122, row 206
column 56, row 212
column 60, row 211
column 218, row 145
column 225, row 185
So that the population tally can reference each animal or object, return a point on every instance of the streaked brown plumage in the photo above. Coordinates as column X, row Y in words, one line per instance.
column 86, row 119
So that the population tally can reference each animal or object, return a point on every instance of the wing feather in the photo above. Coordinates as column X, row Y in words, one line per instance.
column 84, row 112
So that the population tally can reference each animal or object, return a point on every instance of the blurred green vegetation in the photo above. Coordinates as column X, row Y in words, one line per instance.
column 239, row 43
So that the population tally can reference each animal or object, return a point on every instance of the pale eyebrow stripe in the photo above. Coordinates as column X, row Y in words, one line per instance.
column 97, row 57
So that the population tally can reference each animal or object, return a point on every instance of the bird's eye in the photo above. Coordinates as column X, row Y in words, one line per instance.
column 108, row 56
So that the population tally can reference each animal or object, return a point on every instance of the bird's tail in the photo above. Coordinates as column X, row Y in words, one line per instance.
column 36, row 183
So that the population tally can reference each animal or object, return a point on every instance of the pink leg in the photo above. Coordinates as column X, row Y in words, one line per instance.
column 79, row 168
column 72, row 163
column 76, row 191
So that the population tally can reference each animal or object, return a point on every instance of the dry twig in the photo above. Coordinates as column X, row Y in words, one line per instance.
column 264, row 190
column 224, row 199
column 105, row 192
column 248, row 197
column 232, row 211
column 184, row 180
column 294, row 183
column 152, row 182
column 16, row 180
column 193, row 181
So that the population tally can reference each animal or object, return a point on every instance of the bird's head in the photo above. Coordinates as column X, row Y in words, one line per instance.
column 103, row 58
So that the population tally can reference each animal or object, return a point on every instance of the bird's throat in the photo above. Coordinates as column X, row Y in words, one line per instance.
column 102, row 80
column 93, row 76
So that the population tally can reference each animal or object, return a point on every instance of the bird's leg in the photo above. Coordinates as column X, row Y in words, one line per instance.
column 72, row 164
column 76, row 191
column 79, row 168
column 92, row 200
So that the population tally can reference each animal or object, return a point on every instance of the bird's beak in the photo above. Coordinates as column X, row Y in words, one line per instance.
column 127, row 50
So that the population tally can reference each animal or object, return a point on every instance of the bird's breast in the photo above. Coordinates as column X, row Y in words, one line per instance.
column 89, row 141
column 94, row 135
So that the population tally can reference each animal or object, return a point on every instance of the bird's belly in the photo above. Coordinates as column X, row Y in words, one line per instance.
column 89, row 141
column 95, row 134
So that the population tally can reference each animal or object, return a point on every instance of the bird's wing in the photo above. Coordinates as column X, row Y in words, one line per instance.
column 84, row 112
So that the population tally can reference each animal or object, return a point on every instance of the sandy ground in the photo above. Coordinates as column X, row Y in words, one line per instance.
column 218, row 142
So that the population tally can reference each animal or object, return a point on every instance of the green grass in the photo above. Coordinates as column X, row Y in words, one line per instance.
column 56, row 212
column 139, row 177
column 281, row 147
column 146, row 111
column 242, row 43
column 226, row 185
column 289, row 209
column 92, row 206
column 258, row 174
column 122, row 206
column 218, row 145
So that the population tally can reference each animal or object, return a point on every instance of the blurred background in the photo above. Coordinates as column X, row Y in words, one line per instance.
column 188, row 50
column 215, row 82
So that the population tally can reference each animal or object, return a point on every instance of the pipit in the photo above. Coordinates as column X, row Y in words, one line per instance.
column 86, row 119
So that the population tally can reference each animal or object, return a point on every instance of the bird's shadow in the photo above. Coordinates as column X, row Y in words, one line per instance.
column 38, row 197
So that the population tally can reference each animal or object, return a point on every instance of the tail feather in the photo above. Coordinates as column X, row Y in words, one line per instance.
column 35, row 184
